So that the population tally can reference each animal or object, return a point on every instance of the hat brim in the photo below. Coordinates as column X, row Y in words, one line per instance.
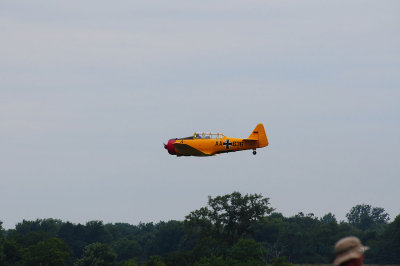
column 352, row 254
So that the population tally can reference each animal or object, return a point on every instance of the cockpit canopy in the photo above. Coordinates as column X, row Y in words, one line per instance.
column 210, row 135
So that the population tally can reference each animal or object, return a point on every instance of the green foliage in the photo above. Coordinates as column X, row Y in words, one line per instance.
column 248, row 252
column 328, row 219
column 30, row 239
column 155, row 261
column 231, row 230
column 13, row 254
column 97, row 254
column 168, row 237
column 2, row 255
column 130, row 262
column 299, row 238
column 126, row 249
column 386, row 249
column 228, row 217
column 244, row 252
column 96, row 232
column 177, row 258
column 392, row 241
column 122, row 230
column 74, row 236
column 52, row 251
column 211, row 261
column 49, row 226
column 280, row 261
column 365, row 216
column 302, row 238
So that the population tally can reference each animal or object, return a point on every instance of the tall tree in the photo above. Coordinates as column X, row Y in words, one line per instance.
column 364, row 216
column 228, row 217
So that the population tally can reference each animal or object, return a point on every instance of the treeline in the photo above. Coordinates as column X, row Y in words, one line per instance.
column 233, row 229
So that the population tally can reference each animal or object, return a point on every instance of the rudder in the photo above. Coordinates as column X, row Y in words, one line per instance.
column 260, row 135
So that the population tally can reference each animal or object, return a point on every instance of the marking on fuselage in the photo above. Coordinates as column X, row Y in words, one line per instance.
column 227, row 143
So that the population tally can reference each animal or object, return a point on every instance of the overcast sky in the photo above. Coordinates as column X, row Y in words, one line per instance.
column 91, row 89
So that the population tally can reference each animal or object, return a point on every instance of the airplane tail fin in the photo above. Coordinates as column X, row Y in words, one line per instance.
column 259, row 134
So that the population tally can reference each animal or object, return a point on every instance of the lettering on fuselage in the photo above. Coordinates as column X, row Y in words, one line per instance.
column 228, row 143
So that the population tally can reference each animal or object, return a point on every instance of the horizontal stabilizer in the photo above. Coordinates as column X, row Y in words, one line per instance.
column 250, row 140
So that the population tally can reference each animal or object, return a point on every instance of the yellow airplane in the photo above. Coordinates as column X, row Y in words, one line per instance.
column 208, row 144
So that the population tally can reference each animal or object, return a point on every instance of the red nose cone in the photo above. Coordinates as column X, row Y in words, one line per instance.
column 170, row 147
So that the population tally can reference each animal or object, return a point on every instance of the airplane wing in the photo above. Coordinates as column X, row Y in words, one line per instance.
column 185, row 149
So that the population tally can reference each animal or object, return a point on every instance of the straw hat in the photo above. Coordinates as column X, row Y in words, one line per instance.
column 348, row 248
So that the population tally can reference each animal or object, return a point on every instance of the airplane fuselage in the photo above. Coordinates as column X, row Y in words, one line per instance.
column 207, row 147
column 208, row 144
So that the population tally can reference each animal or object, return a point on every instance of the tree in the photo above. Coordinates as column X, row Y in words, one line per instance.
column 96, row 232
column 1, row 244
column 155, row 261
column 248, row 252
column 122, row 230
column 49, row 226
column 97, row 254
column 18, row 246
column 244, row 252
column 52, row 251
column 127, row 249
column 280, row 261
column 130, row 262
column 168, row 237
column 328, row 218
column 212, row 261
column 364, row 216
column 74, row 236
column 228, row 217
column 387, row 250
column 13, row 254
column 177, row 258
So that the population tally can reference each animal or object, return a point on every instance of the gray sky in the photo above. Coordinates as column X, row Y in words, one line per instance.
column 90, row 91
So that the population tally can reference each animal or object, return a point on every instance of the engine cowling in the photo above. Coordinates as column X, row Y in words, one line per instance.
column 170, row 147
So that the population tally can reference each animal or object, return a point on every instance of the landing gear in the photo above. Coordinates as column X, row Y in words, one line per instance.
column 254, row 152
